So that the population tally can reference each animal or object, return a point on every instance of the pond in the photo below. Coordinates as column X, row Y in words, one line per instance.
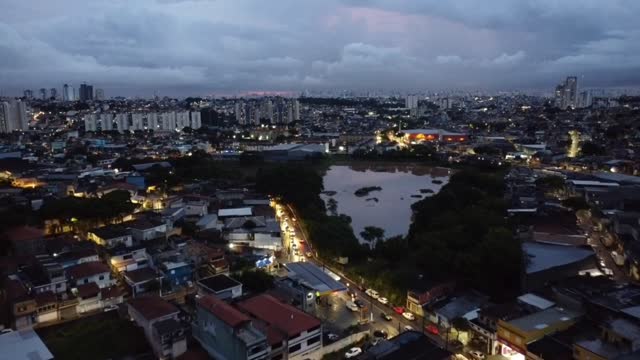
column 381, row 194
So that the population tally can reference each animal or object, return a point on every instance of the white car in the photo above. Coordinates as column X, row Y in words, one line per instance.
column 110, row 308
column 477, row 355
column 374, row 294
column 353, row 352
column 408, row 328
column 383, row 300
column 352, row 306
column 409, row 316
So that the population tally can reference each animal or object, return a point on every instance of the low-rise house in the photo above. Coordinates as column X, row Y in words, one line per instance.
column 169, row 339
column 26, row 240
column 111, row 296
column 86, row 273
column 465, row 306
column 144, row 230
column 222, row 286
column 123, row 258
column 88, row 298
column 177, row 273
column 76, row 257
column 111, row 235
column 44, row 277
column 226, row 333
column 141, row 280
column 46, row 307
column 147, row 311
column 209, row 221
column 22, row 307
column 424, row 293
column 299, row 333
column 194, row 207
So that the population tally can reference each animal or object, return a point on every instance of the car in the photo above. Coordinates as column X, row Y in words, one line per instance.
column 332, row 336
column 477, row 355
column 309, row 254
column 352, row 306
column 383, row 300
column 374, row 294
column 5, row 331
column 409, row 316
column 353, row 352
column 398, row 309
column 408, row 328
column 380, row 334
column 386, row 316
column 456, row 346
column 359, row 303
column 432, row 329
column 110, row 308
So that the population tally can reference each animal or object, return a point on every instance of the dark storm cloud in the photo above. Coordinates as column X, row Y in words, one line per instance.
column 227, row 45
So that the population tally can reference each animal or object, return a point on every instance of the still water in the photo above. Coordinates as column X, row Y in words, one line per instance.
column 389, row 208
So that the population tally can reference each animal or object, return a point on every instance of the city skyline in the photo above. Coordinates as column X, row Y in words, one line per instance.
column 183, row 48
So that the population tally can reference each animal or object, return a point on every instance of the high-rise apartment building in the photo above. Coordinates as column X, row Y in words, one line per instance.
column 13, row 116
column 68, row 93
column 86, row 92
column 28, row 94
column 566, row 94
column 167, row 121
column 99, row 94
column 43, row 94
column 53, row 93
column 411, row 102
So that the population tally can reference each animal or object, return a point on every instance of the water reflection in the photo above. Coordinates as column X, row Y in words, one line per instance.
column 389, row 208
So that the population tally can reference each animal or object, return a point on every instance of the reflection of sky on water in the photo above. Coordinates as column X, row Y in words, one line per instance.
column 392, row 212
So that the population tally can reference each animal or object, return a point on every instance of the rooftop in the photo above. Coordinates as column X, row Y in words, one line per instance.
column 141, row 275
column 23, row 344
column 218, row 283
column 24, row 233
column 547, row 256
column 409, row 345
column 223, row 311
column 110, row 232
column 87, row 269
column 543, row 319
column 313, row 276
column 282, row 316
column 245, row 211
column 535, row 301
column 152, row 307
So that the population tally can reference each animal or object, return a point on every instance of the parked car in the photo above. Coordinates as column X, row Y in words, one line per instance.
column 352, row 306
column 456, row 346
column 376, row 341
column 359, row 303
column 353, row 352
column 432, row 329
column 380, row 334
column 374, row 294
column 383, row 300
column 398, row 309
column 332, row 336
column 408, row 328
column 386, row 316
column 477, row 355
column 409, row 316
column 309, row 254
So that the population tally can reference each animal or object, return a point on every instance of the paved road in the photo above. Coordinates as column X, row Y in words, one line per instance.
column 337, row 314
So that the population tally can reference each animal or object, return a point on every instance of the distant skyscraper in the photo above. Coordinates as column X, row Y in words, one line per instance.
column 43, row 93
column 296, row 110
column 566, row 94
column 99, row 94
column 53, row 93
column 86, row 92
column 13, row 116
column 68, row 93
column 28, row 94
column 411, row 102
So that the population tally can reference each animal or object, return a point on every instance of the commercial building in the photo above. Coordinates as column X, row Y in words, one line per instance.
column 411, row 102
column 417, row 136
column 86, row 92
column 68, row 93
column 566, row 94
column 514, row 335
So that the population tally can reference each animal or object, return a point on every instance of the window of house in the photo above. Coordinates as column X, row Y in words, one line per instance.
column 295, row 348
column 58, row 285
column 277, row 357
column 86, row 281
column 101, row 277
column 313, row 340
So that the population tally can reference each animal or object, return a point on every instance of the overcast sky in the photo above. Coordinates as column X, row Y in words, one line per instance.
column 197, row 47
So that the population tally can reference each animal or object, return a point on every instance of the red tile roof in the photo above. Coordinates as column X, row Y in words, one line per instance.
column 152, row 307
column 110, row 292
column 223, row 311
column 275, row 313
column 88, row 290
column 87, row 269
column 24, row 233
column 46, row 298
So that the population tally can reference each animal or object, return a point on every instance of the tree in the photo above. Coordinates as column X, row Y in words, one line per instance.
column 550, row 183
column 372, row 234
column 256, row 280
column 576, row 203
column 249, row 224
